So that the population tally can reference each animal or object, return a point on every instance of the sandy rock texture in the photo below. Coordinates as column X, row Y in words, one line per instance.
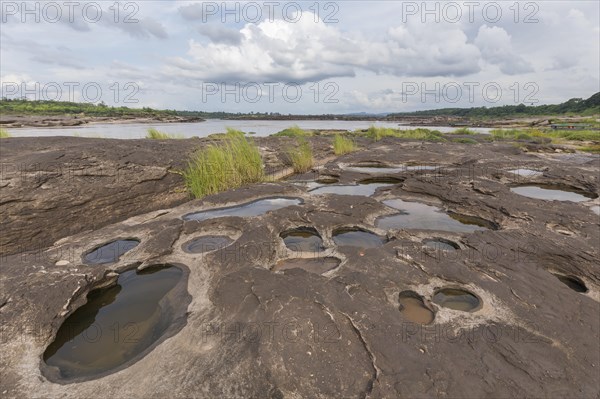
column 252, row 331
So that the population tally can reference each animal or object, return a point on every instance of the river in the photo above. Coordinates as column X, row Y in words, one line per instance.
column 203, row 129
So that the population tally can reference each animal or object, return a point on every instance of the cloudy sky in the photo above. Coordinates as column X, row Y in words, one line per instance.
column 301, row 57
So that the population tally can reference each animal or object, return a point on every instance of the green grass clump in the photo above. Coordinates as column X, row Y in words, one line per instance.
column 591, row 148
column 155, row 134
column 229, row 163
column 512, row 134
column 343, row 145
column 301, row 156
column 574, row 135
column 4, row 133
column 377, row 133
column 554, row 135
column 463, row 130
column 464, row 141
column 293, row 131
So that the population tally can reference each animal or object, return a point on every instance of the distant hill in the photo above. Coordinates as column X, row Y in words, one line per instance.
column 577, row 106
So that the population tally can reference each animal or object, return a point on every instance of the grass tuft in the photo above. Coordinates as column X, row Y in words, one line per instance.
column 229, row 163
column 377, row 133
column 556, row 136
column 293, row 131
column 463, row 131
column 301, row 156
column 4, row 133
column 155, row 134
column 464, row 140
column 595, row 149
column 343, row 145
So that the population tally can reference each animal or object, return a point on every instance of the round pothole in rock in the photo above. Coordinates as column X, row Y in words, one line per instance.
column 381, row 180
column 118, row 324
column 302, row 239
column 521, row 172
column 373, row 167
column 574, row 283
column 109, row 253
column 457, row 299
column 206, row 244
column 365, row 188
column 420, row 166
column 441, row 244
column 552, row 192
column 312, row 265
column 413, row 308
column 249, row 209
column 357, row 237
column 326, row 179
column 415, row 215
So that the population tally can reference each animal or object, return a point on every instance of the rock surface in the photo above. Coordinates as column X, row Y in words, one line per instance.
column 254, row 332
column 54, row 187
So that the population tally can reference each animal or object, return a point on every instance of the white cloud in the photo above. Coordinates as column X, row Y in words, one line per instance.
column 496, row 48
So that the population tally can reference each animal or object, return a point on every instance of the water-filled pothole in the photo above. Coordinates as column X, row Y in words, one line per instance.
column 303, row 239
column 373, row 167
column 327, row 179
column 206, row 244
column 574, row 283
column 526, row 172
column 381, row 168
column 457, row 299
column 413, row 308
column 415, row 215
column 109, row 253
column 357, row 237
column 117, row 324
column 249, row 209
column 365, row 188
column 441, row 244
column 381, row 180
column 312, row 265
column 413, row 167
column 552, row 193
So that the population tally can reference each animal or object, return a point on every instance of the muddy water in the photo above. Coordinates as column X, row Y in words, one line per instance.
column 367, row 189
column 415, row 215
column 254, row 208
column 302, row 239
column 551, row 193
column 357, row 238
column 206, row 244
column 374, row 168
column 457, row 299
column 526, row 172
column 312, row 265
column 110, row 253
column 115, row 325
column 440, row 245
column 413, row 309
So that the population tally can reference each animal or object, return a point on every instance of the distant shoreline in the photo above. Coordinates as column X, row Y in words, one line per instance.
column 61, row 121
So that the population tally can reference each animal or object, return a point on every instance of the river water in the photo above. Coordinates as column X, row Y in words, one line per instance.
column 203, row 129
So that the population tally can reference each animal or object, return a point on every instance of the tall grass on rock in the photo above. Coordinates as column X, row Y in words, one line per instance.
column 301, row 156
column 155, row 134
column 343, row 145
column 294, row 131
column 377, row 133
column 229, row 163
